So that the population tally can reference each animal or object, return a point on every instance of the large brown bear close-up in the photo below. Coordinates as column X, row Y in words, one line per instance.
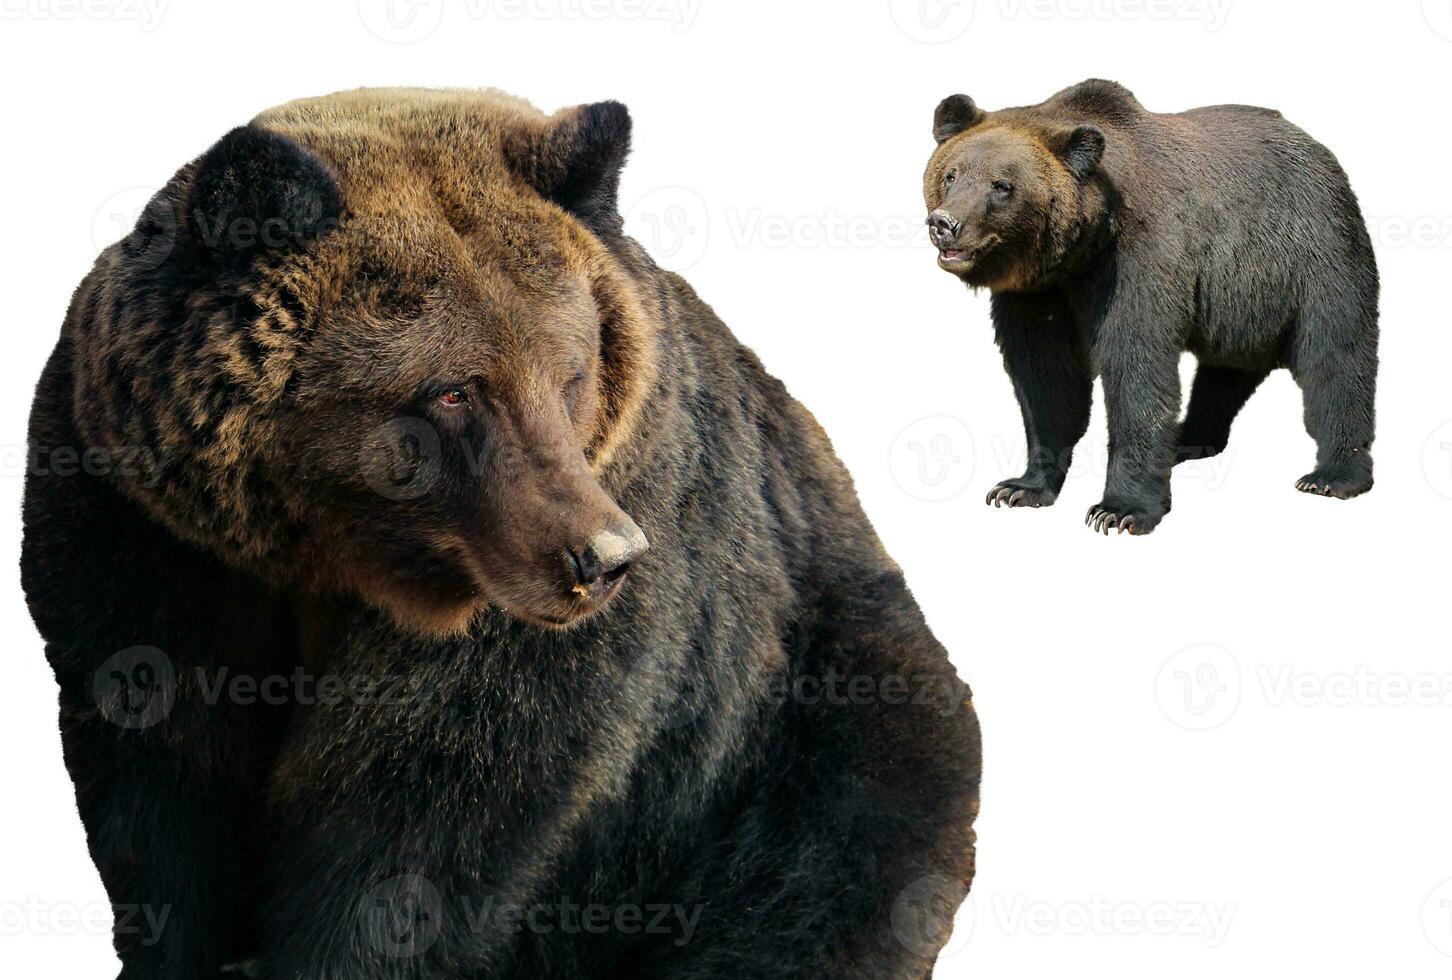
column 471, row 585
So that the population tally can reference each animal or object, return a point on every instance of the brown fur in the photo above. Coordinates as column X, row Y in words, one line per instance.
column 444, row 252
column 662, row 749
column 1032, row 238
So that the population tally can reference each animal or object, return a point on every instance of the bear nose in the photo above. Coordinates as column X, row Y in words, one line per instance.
column 941, row 227
column 607, row 556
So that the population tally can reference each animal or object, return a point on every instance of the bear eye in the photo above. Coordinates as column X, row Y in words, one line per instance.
column 454, row 397
column 950, row 176
column 1003, row 187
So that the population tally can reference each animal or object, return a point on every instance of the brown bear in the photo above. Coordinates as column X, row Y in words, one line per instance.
column 1113, row 239
column 479, row 606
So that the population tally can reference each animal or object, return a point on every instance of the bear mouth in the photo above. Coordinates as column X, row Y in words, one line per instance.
column 571, row 608
column 956, row 258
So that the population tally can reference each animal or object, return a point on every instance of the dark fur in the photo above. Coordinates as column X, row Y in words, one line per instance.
column 639, row 758
column 1223, row 231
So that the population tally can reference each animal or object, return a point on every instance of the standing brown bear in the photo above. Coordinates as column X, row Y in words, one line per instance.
column 447, row 593
column 1113, row 239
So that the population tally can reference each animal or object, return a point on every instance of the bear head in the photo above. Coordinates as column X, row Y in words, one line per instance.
column 1011, row 196
column 386, row 342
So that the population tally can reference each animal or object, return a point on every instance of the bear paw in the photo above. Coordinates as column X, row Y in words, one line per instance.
column 1110, row 515
column 1343, row 484
column 1020, row 493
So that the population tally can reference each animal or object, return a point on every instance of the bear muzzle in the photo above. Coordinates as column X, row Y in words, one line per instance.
column 601, row 564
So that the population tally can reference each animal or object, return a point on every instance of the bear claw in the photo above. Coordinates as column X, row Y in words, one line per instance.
column 1102, row 520
column 1323, row 485
column 1013, row 494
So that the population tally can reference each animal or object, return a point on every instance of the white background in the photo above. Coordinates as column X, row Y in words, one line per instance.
column 777, row 162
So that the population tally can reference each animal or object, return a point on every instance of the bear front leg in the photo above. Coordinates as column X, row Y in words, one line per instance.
column 163, row 759
column 1045, row 357
column 1139, row 369
column 166, row 851
column 142, row 631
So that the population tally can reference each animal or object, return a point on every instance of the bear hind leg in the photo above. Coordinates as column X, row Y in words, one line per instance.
column 1217, row 397
column 1333, row 359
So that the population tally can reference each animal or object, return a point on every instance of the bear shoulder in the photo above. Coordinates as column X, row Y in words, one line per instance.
column 1099, row 98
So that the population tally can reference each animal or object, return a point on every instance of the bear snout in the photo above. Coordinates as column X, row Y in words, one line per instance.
column 600, row 564
column 942, row 228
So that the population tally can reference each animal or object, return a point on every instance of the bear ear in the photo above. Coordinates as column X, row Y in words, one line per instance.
column 1082, row 150
column 578, row 160
column 255, row 191
column 953, row 115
